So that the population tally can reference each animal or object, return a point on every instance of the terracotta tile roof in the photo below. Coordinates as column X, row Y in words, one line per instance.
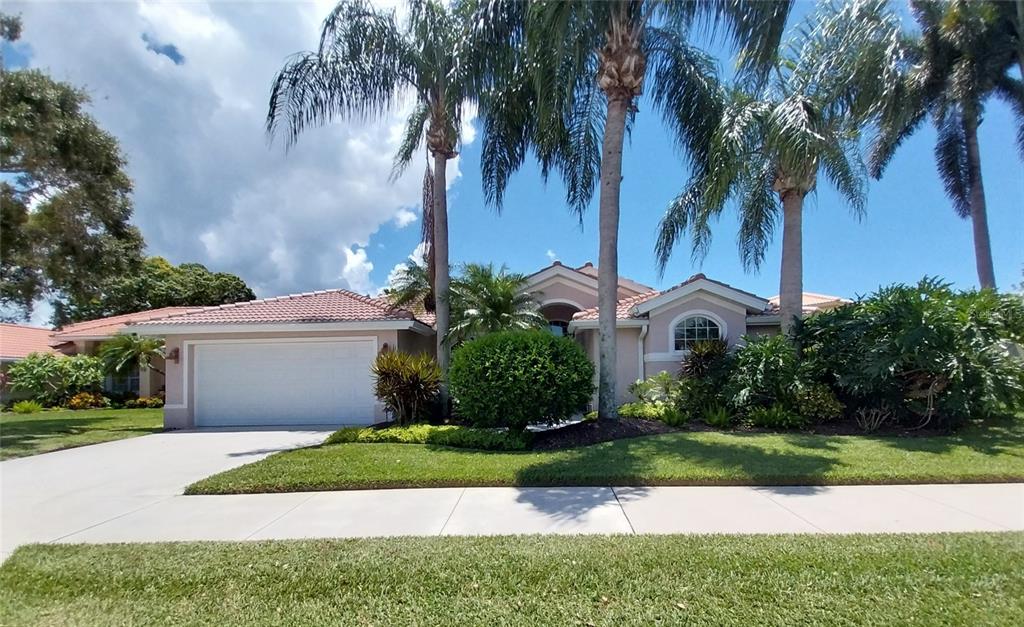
column 18, row 340
column 335, row 305
column 813, row 302
column 623, row 307
column 109, row 326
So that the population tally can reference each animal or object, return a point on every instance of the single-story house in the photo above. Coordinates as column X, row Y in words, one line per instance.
column 305, row 358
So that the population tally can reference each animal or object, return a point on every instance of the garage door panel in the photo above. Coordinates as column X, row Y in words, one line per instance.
column 282, row 383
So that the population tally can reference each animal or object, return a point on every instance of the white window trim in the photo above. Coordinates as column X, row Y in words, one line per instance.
column 723, row 328
column 560, row 301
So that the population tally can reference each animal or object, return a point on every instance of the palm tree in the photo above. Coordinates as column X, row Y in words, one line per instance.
column 771, row 143
column 124, row 351
column 410, row 288
column 367, row 63
column 485, row 301
column 961, row 58
column 569, row 89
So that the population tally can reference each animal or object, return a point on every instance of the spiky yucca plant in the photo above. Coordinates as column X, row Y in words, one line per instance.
column 406, row 384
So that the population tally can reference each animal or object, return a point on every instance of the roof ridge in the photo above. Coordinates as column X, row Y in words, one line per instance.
column 25, row 326
column 99, row 322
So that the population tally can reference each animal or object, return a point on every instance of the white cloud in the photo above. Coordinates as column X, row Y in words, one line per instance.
column 416, row 256
column 551, row 255
column 208, row 188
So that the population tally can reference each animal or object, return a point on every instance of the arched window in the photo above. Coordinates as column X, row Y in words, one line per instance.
column 695, row 329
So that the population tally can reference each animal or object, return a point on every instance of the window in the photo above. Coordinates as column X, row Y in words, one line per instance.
column 123, row 383
column 558, row 327
column 695, row 329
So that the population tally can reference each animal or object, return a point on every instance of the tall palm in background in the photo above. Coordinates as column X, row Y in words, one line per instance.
column 770, row 143
column 960, row 60
column 410, row 287
column 369, row 62
column 568, row 89
column 486, row 301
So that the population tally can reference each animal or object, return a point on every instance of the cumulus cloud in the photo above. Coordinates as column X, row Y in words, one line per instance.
column 184, row 88
column 416, row 256
column 551, row 255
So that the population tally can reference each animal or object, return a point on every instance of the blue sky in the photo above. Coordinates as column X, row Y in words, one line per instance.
column 187, row 103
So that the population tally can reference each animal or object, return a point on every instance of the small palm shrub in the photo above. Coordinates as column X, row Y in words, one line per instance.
column 818, row 403
column 516, row 378
column 88, row 400
column 26, row 407
column 717, row 416
column 406, row 384
column 775, row 416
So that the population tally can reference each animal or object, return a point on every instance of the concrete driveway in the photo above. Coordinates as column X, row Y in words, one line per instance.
column 48, row 497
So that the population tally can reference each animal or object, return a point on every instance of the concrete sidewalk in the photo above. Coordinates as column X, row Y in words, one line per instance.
column 486, row 511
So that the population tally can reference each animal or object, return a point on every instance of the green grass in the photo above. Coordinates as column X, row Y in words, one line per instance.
column 994, row 452
column 948, row 579
column 31, row 434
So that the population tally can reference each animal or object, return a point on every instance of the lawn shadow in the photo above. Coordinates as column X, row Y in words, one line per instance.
column 567, row 504
column 993, row 436
column 27, row 437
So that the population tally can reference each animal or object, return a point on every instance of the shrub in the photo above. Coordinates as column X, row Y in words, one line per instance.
column 513, row 379
column 661, row 411
column 144, row 402
column 717, row 416
column 775, row 417
column 818, row 403
column 926, row 351
column 51, row 379
column 707, row 359
column 26, row 407
column 871, row 418
column 406, row 384
column 440, row 435
column 764, row 373
column 657, row 388
column 88, row 400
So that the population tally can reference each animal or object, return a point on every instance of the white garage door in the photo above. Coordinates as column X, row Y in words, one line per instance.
column 284, row 383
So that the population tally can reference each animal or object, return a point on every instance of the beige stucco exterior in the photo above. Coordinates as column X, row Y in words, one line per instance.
column 180, row 400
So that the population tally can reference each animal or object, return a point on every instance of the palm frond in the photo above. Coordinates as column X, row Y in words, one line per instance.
column 759, row 213
column 412, row 139
column 951, row 159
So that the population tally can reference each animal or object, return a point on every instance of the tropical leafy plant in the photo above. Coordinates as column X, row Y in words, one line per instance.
column 765, row 372
column 706, row 359
column 657, row 388
column 407, row 384
column 484, row 301
column 960, row 59
column 565, row 81
column 776, row 416
column 26, row 407
column 370, row 60
column 516, row 378
column 126, row 351
column 769, row 143
column 52, row 379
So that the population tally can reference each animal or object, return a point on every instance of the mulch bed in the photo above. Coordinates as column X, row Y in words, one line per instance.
column 594, row 431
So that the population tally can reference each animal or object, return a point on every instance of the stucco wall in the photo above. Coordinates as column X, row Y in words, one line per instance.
column 178, row 411
column 414, row 343
column 729, row 315
column 627, row 359
column 562, row 290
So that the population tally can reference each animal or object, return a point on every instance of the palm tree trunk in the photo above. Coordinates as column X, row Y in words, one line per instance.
column 979, row 211
column 791, row 275
column 608, row 254
column 443, row 305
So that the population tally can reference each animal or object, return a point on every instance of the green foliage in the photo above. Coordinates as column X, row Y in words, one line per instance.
column 485, row 301
column 775, row 416
column 513, row 379
column 440, row 435
column 406, row 383
column 88, row 400
column 765, row 372
column 144, row 402
column 65, row 198
column 660, row 410
column 658, row 388
column 926, row 351
column 26, row 407
column 818, row 403
column 124, row 351
column 411, row 287
column 52, row 379
column 717, row 416
column 708, row 359
column 156, row 284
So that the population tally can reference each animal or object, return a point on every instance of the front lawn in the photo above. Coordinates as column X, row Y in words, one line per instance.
column 31, row 434
column 949, row 579
column 979, row 453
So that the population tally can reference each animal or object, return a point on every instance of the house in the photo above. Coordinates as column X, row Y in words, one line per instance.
column 305, row 358
column 18, row 341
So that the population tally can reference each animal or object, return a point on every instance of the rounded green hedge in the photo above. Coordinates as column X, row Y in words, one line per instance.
column 516, row 378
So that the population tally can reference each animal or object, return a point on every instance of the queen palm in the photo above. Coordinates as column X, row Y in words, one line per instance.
column 368, row 62
column 570, row 88
column 124, row 351
column 486, row 301
column 960, row 60
column 772, row 143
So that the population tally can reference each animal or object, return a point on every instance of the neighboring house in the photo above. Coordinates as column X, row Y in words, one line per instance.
column 18, row 341
column 85, row 338
column 305, row 358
